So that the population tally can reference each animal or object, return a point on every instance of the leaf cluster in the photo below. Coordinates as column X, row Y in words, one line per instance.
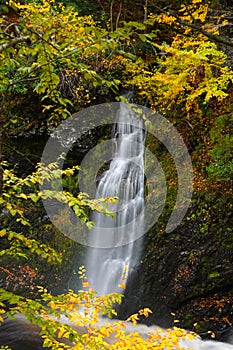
column 18, row 194
column 74, row 321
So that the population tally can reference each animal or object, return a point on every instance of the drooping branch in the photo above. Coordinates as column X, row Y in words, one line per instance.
column 211, row 36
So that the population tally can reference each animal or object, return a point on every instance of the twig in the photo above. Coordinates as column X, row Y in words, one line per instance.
column 111, row 19
column 7, row 271
column 145, row 10
column 22, row 80
column 43, row 39
column 118, row 16
column 211, row 36
column 23, row 155
column 13, row 42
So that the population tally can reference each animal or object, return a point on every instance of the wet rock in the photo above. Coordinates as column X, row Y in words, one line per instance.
column 189, row 272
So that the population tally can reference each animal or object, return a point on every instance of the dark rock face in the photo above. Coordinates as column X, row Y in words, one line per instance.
column 188, row 272
column 20, row 334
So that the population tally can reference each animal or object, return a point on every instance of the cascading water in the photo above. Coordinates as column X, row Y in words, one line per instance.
column 124, row 179
column 108, row 253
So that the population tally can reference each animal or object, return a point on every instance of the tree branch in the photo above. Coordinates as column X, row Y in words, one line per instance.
column 15, row 29
column 211, row 36
column 13, row 42
column 43, row 39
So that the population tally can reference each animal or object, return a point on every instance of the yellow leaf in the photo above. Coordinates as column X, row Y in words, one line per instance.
column 122, row 285
column 85, row 284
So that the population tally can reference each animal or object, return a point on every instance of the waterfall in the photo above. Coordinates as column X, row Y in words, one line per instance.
column 113, row 247
column 112, row 251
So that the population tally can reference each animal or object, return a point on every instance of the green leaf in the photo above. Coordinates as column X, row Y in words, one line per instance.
column 34, row 197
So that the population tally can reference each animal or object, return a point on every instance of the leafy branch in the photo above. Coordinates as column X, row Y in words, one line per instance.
column 13, row 41
column 197, row 28
column 211, row 36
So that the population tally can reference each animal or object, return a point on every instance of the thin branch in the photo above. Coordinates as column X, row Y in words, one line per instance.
column 118, row 16
column 7, row 271
column 16, row 29
column 111, row 16
column 20, row 38
column 24, row 155
column 43, row 39
column 22, row 80
column 13, row 42
column 211, row 36
column 145, row 10
column 8, row 27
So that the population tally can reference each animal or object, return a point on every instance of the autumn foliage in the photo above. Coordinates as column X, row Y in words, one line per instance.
column 75, row 321
column 59, row 61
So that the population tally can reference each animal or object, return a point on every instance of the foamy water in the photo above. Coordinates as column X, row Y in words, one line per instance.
column 111, row 243
column 20, row 334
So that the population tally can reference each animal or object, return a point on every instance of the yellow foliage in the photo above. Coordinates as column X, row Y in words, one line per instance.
column 74, row 321
column 192, row 70
column 89, row 332
column 164, row 18
column 195, row 11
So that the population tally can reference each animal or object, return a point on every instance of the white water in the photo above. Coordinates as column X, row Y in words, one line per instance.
column 125, row 179
column 110, row 263
column 20, row 334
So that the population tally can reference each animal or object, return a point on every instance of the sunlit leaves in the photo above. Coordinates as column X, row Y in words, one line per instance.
column 73, row 321
column 195, row 11
column 20, row 193
column 185, row 75
column 20, row 246
column 13, row 188
column 63, row 48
